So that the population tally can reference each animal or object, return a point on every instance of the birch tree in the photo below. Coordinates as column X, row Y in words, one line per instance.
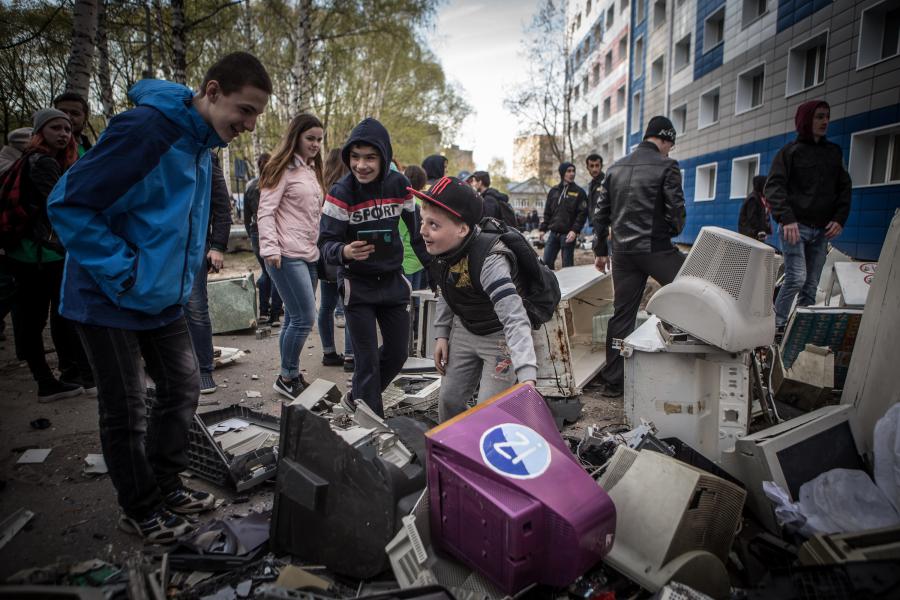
column 81, row 55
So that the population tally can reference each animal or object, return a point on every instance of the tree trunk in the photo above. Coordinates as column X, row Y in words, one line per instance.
column 81, row 56
column 300, row 71
column 148, row 41
column 103, row 78
column 179, row 58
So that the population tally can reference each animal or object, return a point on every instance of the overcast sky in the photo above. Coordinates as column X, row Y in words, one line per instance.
column 479, row 45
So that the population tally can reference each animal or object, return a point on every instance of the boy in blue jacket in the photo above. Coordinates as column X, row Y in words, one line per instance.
column 372, row 198
column 133, row 214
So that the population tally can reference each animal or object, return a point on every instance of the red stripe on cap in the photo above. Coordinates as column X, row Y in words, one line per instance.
column 428, row 198
column 438, row 187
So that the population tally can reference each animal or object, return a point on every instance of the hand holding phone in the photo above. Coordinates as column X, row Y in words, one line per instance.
column 358, row 250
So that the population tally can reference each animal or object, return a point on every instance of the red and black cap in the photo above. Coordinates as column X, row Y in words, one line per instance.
column 456, row 197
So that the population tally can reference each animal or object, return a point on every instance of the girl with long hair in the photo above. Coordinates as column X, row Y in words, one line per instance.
column 330, row 304
column 290, row 206
column 37, row 261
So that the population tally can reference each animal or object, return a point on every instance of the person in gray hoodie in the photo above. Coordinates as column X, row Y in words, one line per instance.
column 17, row 142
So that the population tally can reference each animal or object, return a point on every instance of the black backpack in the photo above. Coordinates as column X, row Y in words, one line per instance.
column 535, row 282
column 507, row 214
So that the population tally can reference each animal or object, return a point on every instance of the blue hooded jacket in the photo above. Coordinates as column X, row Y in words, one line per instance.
column 133, row 212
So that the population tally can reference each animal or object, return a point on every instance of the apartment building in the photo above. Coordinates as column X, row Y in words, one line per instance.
column 731, row 73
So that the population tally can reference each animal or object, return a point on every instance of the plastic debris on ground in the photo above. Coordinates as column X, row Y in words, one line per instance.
column 222, row 544
column 34, row 456
column 95, row 465
column 13, row 524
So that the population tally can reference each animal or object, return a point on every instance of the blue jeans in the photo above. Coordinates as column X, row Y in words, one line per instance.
column 803, row 263
column 553, row 243
column 269, row 300
column 196, row 311
column 329, row 301
column 296, row 283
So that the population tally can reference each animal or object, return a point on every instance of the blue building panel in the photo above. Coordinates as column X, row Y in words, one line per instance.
column 704, row 62
column 636, row 84
column 871, row 210
column 791, row 11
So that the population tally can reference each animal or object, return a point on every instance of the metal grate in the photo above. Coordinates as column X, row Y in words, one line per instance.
column 720, row 261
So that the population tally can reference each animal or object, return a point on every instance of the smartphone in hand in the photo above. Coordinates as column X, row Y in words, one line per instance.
column 382, row 239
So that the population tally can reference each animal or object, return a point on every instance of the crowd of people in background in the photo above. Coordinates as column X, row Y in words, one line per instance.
column 116, row 256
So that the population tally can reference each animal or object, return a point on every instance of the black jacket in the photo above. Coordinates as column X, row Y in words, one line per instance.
column 565, row 209
column 219, row 210
column 351, row 207
column 251, row 206
column 491, row 199
column 808, row 184
column 641, row 199
column 754, row 218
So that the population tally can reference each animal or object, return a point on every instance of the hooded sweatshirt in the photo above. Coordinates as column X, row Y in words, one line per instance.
column 133, row 212
column 351, row 207
column 807, row 182
column 434, row 166
column 566, row 206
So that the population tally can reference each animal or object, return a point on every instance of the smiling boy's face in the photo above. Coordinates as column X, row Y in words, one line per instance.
column 232, row 114
column 365, row 163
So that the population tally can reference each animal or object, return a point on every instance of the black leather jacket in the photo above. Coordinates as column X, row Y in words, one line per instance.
column 641, row 199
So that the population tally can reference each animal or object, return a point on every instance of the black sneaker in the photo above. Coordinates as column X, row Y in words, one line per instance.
column 263, row 319
column 275, row 321
column 90, row 388
column 186, row 501
column 332, row 359
column 348, row 403
column 53, row 390
column 289, row 389
column 348, row 364
column 207, row 384
column 161, row 527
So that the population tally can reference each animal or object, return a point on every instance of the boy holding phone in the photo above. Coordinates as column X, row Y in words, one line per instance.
column 359, row 232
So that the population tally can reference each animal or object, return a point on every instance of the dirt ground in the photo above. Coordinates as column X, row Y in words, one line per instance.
column 75, row 514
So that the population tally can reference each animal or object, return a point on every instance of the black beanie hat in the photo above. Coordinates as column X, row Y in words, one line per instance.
column 563, row 167
column 662, row 128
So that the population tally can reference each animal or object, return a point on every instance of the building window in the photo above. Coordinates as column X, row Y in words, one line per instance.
column 636, row 113
column 806, row 64
column 743, row 170
column 875, row 156
column 714, row 30
column 705, row 188
column 620, row 98
column 596, row 73
column 576, row 92
column 623, row 4
column 638, row 57
column 584, row 85
column 610, row 16
column 683, row 52
column 604, row 149
column 587, row 8
column 607, row 108
column 598, row 34
column 607, row 62
column 623, row 48
column 640, row 12
column 709, row 109
column 659, row 13
column 879, row 34
column 752, row 10
column 679, row 119
column 595, row 116
column 750, row 85
column 656, row 71
column 619, row 148
column 584, row 122
column 578, row 21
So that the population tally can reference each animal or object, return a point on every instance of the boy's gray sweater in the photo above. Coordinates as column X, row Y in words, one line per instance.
column 510, row 310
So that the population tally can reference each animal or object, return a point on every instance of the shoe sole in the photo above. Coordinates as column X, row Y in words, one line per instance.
column 209, row 390
column 192, row 510
column 60, row 396
column 332, row 363
column 126, row 526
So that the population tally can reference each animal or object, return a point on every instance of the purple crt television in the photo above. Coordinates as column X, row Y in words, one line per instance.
column 508, row 498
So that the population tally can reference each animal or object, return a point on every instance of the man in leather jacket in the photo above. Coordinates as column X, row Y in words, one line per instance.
column 641, row 201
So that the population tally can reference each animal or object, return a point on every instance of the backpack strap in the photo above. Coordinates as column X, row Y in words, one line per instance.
column 481, row 246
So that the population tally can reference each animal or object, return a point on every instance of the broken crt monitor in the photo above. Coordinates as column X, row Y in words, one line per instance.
column 508, row 498
column 723, row 292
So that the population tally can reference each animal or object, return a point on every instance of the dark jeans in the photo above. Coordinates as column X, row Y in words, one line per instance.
column 630, row 272
column 553, row 243
column 37, row 293
column 803, row 264
column 196, row 311
column 269, row 300
column 329, row 302
column 145, row 449
column 383, row 301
